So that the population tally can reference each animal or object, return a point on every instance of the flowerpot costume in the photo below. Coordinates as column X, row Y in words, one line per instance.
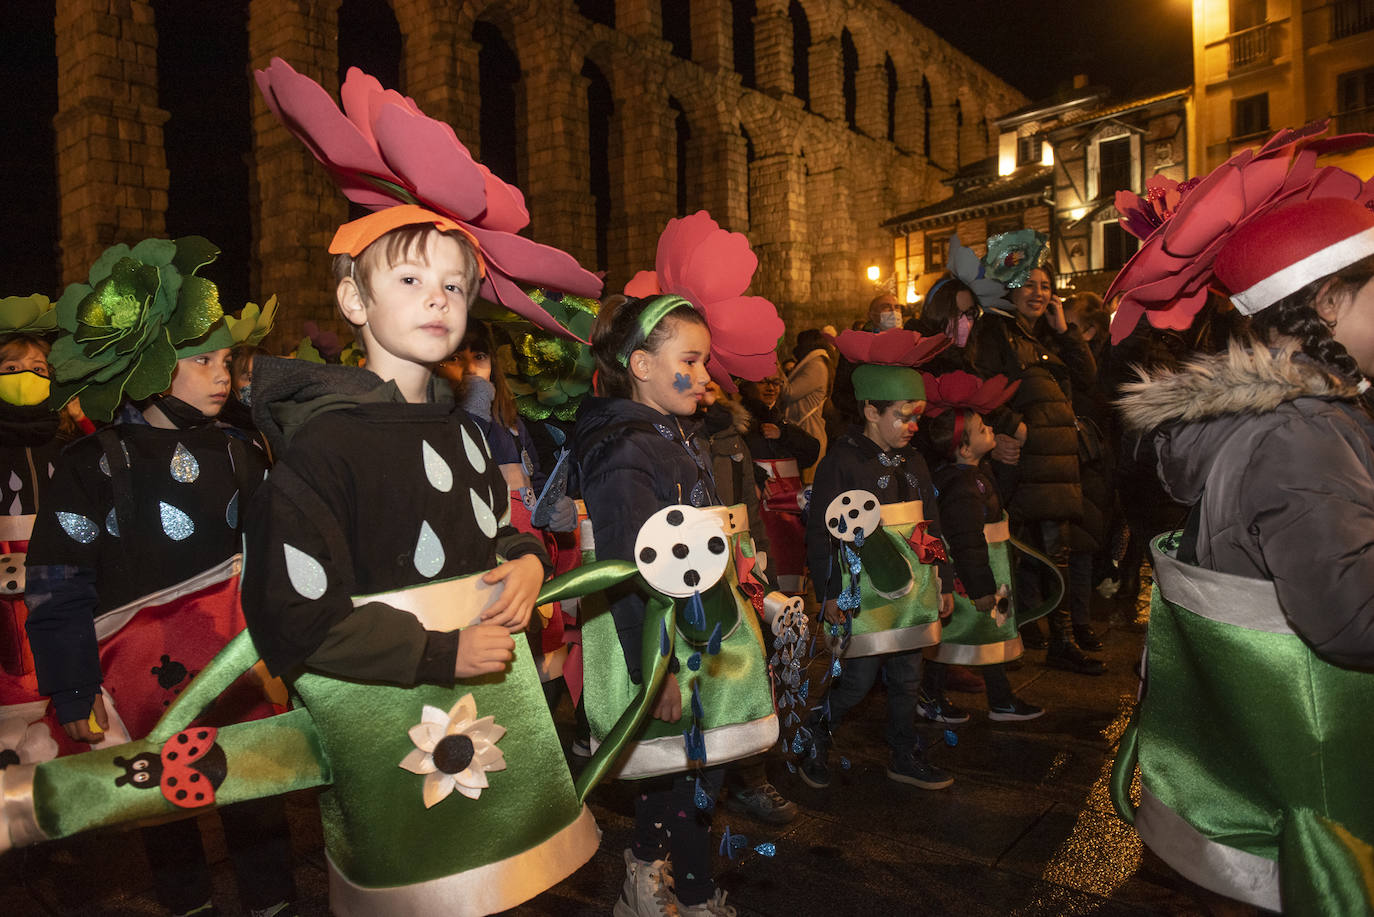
column 1253, row 729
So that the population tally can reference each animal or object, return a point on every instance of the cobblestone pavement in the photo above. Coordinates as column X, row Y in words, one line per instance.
column 1027, row 828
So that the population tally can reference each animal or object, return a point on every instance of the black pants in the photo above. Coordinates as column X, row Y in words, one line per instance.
column 259, row 847
column 667, row 819
column 994, row 678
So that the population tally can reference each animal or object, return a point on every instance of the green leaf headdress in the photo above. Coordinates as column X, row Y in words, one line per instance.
column 27, row 315
column 141, row 310
column 549, row 374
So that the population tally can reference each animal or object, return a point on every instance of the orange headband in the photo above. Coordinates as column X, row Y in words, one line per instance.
column 352, row 238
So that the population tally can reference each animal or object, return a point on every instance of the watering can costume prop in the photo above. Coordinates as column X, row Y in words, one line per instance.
column 1252, row 730
column 403, row 767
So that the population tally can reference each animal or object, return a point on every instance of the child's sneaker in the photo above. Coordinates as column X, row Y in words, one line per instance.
column 764, row 803
column 939, row 709
column 713, row 906
column 911, row 767
column 647, row 891
column 1016, row 711
column 814, row 768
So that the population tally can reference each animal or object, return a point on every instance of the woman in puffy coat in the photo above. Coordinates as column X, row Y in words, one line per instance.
column 1033, row 343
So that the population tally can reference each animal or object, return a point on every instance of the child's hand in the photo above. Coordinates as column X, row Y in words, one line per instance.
column 832, row 612
column 946, row 605
column 523, row 577
column 483, row 649
column 984, row 603
column 669, row 705
column 81, row 731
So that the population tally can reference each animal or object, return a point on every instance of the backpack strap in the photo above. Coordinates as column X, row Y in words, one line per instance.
column 120, row 480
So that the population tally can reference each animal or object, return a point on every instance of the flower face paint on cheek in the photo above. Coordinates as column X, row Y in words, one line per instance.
column 682, row 382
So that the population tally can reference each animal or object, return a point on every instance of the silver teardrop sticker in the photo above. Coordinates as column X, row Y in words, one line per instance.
column 78, row 527
column 429, row 553
column 486, row 519
column 475, row 457
column 436, row 469
column 112, row 523
column 231, row 512
column 175, row 523
column 306, row 574
column 185, row 468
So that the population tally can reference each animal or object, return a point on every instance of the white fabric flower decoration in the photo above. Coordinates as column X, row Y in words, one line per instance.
column 22, row 742
column 454, row 750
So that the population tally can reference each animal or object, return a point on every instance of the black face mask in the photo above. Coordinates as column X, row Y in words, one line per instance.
column 27, row 425
column 182, row 415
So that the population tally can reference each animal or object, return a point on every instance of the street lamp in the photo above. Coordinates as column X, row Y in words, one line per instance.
column 874, row 273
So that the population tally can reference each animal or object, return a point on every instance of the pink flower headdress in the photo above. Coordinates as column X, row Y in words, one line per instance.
column 1186, row 224
column 383, row 151
column 711, row 268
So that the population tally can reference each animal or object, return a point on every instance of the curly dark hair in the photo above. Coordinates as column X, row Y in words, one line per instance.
column 1296, row 316
column 617, row 327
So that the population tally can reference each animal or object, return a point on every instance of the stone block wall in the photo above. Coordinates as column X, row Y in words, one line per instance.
column 811, row 201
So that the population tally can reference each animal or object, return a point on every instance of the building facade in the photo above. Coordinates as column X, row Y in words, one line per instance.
column 1263, row 65
column 803, row 124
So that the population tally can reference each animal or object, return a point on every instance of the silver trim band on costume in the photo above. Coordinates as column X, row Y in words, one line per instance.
column 668, row 754
column 980, row 654
column 880, row 642
column 110, row 623
column 1223, row 597
column 1225, row 870
column 1300, row 273
column 17, row 528
column 486, row 889
column 18, row 818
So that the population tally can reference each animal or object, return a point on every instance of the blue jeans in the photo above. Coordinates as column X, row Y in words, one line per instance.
column 903, row 685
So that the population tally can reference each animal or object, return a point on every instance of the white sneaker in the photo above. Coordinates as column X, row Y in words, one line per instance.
column 647, row 891
column 713, row 906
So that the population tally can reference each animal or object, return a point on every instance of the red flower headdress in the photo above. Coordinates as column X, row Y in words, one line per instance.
column 383, row 151
column 711, row 268
column 893, row 347
column 1185, row 225
column 959, row 390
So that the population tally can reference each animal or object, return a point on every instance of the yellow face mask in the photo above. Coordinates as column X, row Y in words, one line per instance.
column 23, row 389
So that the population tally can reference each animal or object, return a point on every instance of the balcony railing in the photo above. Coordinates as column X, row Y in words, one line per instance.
column 1252, row 47
column 1355, row 121
column 1349, row 17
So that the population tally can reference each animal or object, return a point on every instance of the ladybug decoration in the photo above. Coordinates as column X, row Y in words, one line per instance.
column 188, row 771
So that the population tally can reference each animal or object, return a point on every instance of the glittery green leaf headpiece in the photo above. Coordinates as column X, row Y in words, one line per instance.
column 142, row 309
column 27, row 315
column 548, row 374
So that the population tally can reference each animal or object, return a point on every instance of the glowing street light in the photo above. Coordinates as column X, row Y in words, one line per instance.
column 874, row 273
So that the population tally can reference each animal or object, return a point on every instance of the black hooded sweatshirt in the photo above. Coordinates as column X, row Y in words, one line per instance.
column 365, row 486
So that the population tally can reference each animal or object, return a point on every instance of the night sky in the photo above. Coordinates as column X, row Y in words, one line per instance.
column 1135, row 47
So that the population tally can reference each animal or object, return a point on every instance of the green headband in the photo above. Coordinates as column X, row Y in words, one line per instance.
column 876, row 382
column 653, row 313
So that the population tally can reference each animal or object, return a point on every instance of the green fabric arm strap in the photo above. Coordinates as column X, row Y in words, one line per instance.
column 1052, row 602
column 1123, row 770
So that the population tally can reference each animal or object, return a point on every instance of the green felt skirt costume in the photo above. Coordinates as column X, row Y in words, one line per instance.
column 899, row 597
column 736, row 696
column 437, row 800
column 973, row 637
column 1253, row 751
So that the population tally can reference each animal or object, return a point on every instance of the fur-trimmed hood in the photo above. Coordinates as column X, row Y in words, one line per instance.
column 1194, row 412
column 1241, row 381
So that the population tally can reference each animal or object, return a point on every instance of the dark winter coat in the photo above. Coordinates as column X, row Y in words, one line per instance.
column 968, row 501
column 1279, row 456
column 633, row 461
column 1049, row 487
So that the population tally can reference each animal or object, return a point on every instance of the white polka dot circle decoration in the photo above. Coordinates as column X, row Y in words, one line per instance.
column 681, row 550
